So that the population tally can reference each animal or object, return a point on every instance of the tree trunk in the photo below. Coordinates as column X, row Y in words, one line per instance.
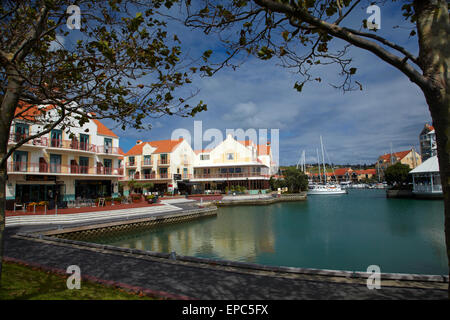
column 433, row 28
column 7, row 111
column 2, row 213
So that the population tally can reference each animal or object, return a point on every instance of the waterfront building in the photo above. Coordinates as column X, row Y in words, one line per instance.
column 427, row 138
column 61, row 166
column 233, row 163
column 407, row 157
column 365, row 174
column 426, row 179
column 344, row 175
column 163, row 163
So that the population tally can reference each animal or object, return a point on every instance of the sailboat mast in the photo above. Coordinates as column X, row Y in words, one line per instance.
column 323, row 160
column 318, row 164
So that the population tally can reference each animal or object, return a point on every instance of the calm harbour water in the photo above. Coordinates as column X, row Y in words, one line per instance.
column 343, row 232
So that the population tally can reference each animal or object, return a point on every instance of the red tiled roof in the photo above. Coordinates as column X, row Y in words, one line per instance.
column 30, row 112
column 342, row 171
column 366, row 171
column 398, row 155
column 162, row 146
column 103, row 130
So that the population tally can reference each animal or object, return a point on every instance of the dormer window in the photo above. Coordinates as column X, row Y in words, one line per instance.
column 230, row 156
column 204, row 157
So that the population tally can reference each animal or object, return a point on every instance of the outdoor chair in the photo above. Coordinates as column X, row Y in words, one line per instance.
column 19, row 205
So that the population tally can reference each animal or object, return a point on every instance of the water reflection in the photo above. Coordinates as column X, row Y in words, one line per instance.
column 348, row 232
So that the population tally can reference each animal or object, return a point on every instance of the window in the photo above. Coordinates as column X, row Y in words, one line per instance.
column 55, row 163
column 163, row 173
column 238, row 170
column 231, row 170
column 204, row 157
column 20, row 160
column 147, row 160
column 56, row 138
column 164, row 159
column 230, row 156
column 108, row 145
column 107, row 163
column 84, row 142
column 223, row 170
column 84, row 165
column 22, row 131
column 131, row 161
column 131, row 173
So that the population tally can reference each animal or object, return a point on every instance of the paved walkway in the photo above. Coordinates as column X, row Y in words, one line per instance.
column 200, row 281
column 90, row 216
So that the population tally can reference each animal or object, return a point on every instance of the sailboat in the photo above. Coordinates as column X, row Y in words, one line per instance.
column 325, row 188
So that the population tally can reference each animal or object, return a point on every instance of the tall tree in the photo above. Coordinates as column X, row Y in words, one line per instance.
column 299, row 32
column 87, row 59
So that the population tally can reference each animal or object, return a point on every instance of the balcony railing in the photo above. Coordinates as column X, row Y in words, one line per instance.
column 428, row 188
column 230, row 175
column 17, row 137
column 72, row 144
column 147, row 163
column 148, row 176
column 59, row 168
column 62, row 144
column 163, row 162
column 107, row 150
column 131, row 164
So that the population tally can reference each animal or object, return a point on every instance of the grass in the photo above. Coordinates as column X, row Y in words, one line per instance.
column 25, row 283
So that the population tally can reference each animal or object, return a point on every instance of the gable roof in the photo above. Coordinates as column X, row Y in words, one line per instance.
column 398, row 155
column 103, row 130
column 162, row 146
column 30, row 112
column 342, row 171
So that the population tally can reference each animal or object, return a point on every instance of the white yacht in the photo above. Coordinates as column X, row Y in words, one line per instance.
column 326, row 189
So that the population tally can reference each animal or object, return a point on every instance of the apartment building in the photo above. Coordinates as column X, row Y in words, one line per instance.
column 407, row 157
column 163, row 163
column 233, row 163
column 61, row 166
column 427, row 139
column 172, row 165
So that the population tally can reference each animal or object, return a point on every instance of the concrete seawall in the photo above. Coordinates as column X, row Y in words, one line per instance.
column 260, row 199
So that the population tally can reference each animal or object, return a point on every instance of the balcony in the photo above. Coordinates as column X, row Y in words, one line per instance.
column 149, row 176
column 107, row 150
column 131, row 164
column 23, row 167
column 17, row 137
column 243, row 175
column 72, row 145
column 147, row 163
column 163, row 162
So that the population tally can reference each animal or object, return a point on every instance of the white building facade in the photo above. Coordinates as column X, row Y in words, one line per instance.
column 62, row 166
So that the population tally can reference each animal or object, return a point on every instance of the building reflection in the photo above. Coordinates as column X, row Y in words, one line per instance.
column 231, row 236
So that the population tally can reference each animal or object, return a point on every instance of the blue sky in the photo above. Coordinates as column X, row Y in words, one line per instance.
column 356, row 126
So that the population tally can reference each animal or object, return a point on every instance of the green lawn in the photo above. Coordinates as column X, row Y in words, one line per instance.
column 24, row 283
